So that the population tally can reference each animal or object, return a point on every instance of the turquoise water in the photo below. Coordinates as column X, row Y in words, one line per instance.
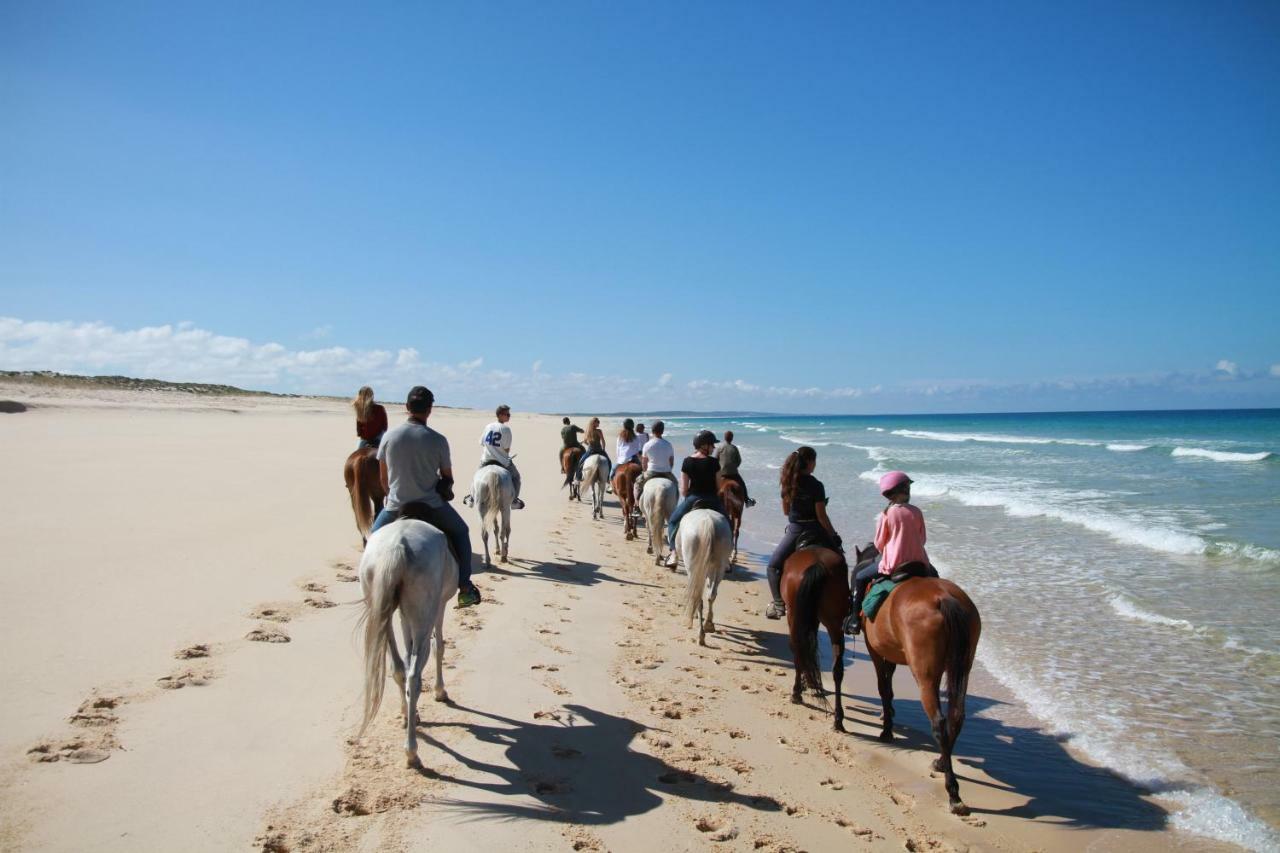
column 1127, row 566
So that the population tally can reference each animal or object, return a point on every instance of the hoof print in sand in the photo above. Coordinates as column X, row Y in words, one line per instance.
column 318, row 603
column 545, row 787
column 267, row 635
column 199, row 650
column 73, row 751
column 183, row 679
column 352, row 802
column 95, row 712
column 314, row 587
column 270, row 613
column 716, row 828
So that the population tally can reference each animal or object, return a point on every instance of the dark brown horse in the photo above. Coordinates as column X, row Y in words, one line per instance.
column 930, row 625
column 815, row 587
column 364, row 483
column 731, row 497
column 569, row 466
column 624, row 482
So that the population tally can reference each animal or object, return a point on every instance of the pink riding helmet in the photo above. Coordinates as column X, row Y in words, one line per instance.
column 893, row 480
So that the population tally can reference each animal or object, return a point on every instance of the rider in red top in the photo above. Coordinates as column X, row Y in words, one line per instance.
column 371, row 419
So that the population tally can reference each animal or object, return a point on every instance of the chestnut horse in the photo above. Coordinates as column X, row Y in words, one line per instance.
column 624, row 483
column 815, row 587
column 568, row 466
column 731, row 496
column 930, row 625
column 364, row 482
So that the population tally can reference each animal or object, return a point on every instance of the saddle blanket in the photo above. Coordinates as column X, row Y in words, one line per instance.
column 876, row 594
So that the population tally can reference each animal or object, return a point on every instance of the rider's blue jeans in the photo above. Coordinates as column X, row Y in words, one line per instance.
column 447, row 521
column 686, row 504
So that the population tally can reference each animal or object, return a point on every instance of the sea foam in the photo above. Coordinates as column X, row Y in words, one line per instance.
column 992, row 438
column 1221, row 455
column 1127, row 448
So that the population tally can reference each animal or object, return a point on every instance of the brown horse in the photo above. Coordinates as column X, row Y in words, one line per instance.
column 731, row 497
column 569, row 466
column 624, row 482
column 364, row 482
column 930, row 625
column 815, row 587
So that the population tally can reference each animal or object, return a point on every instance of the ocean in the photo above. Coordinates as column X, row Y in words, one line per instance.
column 1127, row 567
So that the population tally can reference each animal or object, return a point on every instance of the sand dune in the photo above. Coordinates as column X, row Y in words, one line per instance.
column 178, row 603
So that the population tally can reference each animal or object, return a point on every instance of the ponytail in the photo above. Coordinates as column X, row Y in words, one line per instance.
column 792, row 470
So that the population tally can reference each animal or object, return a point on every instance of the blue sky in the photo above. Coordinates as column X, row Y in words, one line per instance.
column 829, row 207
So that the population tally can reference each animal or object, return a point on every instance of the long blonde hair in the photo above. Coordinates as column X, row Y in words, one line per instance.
column 594, row 433
column 363, row 403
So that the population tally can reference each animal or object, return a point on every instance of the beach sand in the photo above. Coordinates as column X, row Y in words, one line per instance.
column 176, row 677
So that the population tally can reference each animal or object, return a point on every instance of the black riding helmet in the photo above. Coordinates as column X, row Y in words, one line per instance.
column 704, row 438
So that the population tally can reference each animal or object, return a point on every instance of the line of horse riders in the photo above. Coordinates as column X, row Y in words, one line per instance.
column 931, row 625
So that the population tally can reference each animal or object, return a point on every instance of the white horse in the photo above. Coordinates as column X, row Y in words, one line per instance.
column 704, row 543
column 492, row 492
column 407, row 566
column 657, row 502
column 595, row 477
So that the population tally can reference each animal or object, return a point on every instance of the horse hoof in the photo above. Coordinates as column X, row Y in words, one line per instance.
column 648, row 550
column 442, row 696
column 886, row 736
column 839, row 726
column 412, row 760
column 795, row 699
column 959, row 808
column 937, row 765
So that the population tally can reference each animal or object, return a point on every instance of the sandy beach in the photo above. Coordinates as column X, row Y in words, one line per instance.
column 178, row 604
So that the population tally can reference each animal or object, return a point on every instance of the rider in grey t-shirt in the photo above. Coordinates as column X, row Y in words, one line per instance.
column 414, row 454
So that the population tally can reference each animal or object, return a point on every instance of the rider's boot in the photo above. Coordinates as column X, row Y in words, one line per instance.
column 516, row 503
column 751, row 501
column 853, row 622
column 776, row 609
column 671, row 560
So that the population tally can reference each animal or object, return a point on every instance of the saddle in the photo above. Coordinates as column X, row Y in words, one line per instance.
column 814, row 539
column 879, row 588
column 492, row 462
column 703, row 503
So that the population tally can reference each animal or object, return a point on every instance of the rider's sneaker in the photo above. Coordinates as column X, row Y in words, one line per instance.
column 671, row 560
column 751, row 501
column 775, row 610
column 517, row 504
column 468, row 597
column 608, row 487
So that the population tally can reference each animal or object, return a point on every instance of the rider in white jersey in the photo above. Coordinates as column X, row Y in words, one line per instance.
column 495, row 442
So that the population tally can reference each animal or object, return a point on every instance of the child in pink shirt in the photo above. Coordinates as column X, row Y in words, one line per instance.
column 900, row 538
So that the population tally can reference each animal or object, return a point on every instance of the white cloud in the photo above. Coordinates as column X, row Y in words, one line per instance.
column 184, row 352
column 318, row 333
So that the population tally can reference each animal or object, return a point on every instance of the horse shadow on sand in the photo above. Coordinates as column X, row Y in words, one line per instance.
column 565, row 571
column 1023, row 760
column 578, row 765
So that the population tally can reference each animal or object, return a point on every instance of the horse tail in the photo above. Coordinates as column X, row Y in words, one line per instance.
column 489, row 499
column 804, row 626
column 381, row 599
column 957, row 625
column 700, row 531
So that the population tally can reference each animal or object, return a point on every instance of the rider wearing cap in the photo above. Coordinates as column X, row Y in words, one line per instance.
column 416, row 469
column 697, row 483
column 899, row 539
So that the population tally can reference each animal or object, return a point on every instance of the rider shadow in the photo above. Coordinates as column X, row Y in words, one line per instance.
column 567, row 571
column 580, row 767
column 1027, row 761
